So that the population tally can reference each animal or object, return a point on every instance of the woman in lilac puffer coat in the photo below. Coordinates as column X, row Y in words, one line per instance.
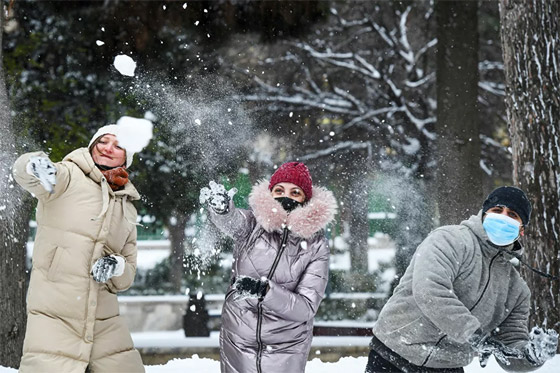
column 280, row 270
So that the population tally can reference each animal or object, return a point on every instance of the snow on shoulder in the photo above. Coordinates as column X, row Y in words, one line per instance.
column 134, row 133
column 125, row 65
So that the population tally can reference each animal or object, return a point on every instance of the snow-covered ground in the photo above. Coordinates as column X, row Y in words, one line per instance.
column 345, row 364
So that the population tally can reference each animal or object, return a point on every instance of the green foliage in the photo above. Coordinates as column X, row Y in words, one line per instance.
column 243, row 184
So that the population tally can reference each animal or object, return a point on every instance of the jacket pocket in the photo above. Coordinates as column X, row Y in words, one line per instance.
column 52, row 275
column 408, row 333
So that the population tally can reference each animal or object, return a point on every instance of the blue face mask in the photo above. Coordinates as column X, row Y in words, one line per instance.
column 501, row 230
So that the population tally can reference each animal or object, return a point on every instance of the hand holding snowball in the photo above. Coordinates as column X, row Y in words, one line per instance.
column 217, row 197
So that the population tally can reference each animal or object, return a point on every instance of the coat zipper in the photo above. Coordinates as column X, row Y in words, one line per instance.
column 487, row 282
column 470, row 309
column 259, row 305
column 229, row 293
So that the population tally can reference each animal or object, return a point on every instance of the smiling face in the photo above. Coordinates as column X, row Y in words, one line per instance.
column 502, row 210
column 288, row 190
column 107, row 152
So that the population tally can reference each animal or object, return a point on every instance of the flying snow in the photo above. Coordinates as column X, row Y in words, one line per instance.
column 134, row 133
column 125, row 65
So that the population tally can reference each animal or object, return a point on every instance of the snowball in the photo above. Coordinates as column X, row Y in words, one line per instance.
column 125, row 65
column 150, row 116
column 99, row 43
column 134, row 133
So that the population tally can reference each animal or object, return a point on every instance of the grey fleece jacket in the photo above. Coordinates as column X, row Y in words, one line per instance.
column 274, row 335
column 456, row 283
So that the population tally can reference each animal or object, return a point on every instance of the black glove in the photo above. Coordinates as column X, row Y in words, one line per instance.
column 248, row 287
column 107, row 267
column 542, row 345
column 485, row 345
column 217, row 197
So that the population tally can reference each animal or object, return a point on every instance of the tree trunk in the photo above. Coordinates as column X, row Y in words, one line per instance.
column 177, row 257
column 459, row 183
column 531, row 50
column 14, row 229
column 358, row 226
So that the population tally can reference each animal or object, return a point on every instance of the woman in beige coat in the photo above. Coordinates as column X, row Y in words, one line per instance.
column 84, row 253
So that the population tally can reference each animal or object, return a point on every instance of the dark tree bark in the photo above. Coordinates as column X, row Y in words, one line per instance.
column 14, row 229
column 177, row 257
column 531, row 50
column 459, row 183
column 358, row 224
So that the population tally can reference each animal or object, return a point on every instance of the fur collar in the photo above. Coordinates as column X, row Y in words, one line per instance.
column 304, row 221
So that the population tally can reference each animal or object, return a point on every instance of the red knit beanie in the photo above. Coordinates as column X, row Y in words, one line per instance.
column 295, row 173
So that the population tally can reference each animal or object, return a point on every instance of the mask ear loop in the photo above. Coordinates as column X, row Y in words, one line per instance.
column 518, row 257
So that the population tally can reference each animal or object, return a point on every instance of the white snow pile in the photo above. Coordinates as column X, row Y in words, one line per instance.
column 345, row 364
column 134, row 133
column 124, row 64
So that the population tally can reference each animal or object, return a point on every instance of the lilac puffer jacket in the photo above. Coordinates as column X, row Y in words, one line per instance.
column 274, row 335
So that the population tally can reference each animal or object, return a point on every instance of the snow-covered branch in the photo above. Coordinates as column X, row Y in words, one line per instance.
column 498, row 89
column 341, row 146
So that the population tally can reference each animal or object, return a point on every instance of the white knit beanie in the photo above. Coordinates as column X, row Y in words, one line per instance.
column 111, row 129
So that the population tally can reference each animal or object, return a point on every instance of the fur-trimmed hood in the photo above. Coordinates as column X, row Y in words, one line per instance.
column 304, row 221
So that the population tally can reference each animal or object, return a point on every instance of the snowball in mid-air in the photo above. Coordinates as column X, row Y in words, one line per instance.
column 134, row 133
column 125, row 65
column 150, row 116
column 99, row 43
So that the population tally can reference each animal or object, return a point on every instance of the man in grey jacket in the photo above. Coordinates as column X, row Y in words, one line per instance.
column 461, row 296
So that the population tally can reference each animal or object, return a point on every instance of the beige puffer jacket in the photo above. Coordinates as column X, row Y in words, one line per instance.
column 73, row 322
